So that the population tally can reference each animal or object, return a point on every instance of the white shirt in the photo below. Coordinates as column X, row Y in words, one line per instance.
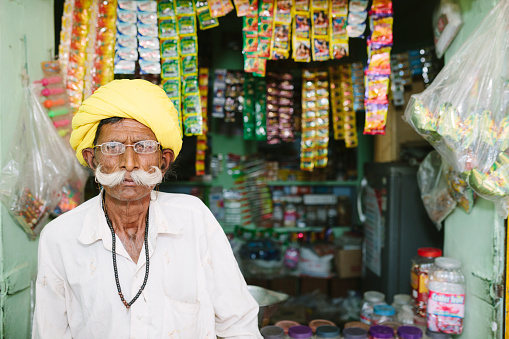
column 194, row 289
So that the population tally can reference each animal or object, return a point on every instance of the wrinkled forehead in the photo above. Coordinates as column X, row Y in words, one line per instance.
column 124, row 129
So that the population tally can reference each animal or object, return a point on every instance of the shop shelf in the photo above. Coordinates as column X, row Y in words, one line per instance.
column 313, row 183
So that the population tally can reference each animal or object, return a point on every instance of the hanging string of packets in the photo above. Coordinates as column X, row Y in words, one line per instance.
column 137, row 38
column 379, row 67
column 201, row 140
column 315, row 120
column 179, row 70
column 343, row 113
column 254, row 112
column 320, row 32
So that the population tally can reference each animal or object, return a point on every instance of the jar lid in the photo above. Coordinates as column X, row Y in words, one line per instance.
column 355, row 333
column 448, row 263
column 392, row 324
column 401, row 299
column 429, row 252
column 380, row 331
column 327, row 331
column 386, row 310
column 437, row 335
column 357, row 324
column 374, row 296
column 300, row 332
column 286, row 324
column 272, row 332
column 319, row 322
column 409, row 332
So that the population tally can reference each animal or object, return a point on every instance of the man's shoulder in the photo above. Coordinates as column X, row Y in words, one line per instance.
column 180, row 201
column 69, row 224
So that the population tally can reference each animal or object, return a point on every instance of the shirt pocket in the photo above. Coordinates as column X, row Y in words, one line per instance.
column 181, row 319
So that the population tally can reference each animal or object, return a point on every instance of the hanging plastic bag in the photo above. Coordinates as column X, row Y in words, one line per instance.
column 464, row 113
column 434, row 189
column 72, row 193
column 38, row 165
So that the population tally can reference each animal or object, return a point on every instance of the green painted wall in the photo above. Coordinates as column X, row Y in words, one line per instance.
column 477, row 239
column 18, row 255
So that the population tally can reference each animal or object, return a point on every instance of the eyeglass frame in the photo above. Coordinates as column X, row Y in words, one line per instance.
column 125, row 147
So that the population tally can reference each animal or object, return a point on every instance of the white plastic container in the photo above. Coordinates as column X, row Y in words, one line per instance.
column 446, row 301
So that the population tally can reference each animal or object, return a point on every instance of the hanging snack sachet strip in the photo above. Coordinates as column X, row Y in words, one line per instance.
column 170, row 51
column 338, row 35
column 201, row 140
column 377, row 75
column 320, row 30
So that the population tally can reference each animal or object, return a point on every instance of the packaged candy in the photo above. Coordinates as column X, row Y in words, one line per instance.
column 242, row 7
column 169, row 48
column 320, row 48
column 205, row 20
column 168, row 28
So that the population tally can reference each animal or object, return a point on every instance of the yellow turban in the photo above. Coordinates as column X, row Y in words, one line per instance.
column 137, row 99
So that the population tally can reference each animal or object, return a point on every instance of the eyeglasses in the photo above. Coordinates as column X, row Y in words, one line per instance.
column 140, row 147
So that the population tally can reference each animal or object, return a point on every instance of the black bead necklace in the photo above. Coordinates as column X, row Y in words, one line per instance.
column 127, row 304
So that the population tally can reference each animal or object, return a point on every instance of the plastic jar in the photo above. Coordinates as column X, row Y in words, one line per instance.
column 437, row 335
column 381, row 332
column 300, row 332
column 419, row 277
column 382, row 313
column 272, row 332
column 400, row 300
column 355, row 333
column 371, row 298
column 446, row 302
column 409, row 332
column 327, row 331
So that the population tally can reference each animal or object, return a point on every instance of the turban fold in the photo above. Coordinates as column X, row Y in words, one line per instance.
column 139, row 100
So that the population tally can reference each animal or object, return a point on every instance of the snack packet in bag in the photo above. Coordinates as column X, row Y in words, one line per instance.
column 438, row 202
column 37, row 166
column 464, row 113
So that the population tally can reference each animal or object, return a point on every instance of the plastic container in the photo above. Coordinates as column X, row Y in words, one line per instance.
column 327, row 331
column 382, row 313
column 446, row 303
column 286, row 324
column 319, row 322
column 371, row 298
column 419, row 277
column 355, row 333
column 437, row 335
column 400, row 300
column 272, row 332
column 409, row 332
column 357, row 324
column 381, row 332
column 300, row 332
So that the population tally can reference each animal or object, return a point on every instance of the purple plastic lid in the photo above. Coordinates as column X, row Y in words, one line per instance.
column 380, row 331
column 355, row 333
column 300, row 332
column 409, row 332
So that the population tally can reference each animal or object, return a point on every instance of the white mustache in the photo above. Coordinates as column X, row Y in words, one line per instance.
column 139, row 176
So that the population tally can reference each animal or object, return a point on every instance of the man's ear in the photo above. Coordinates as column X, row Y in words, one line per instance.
column 89, row 156
column 167, row 158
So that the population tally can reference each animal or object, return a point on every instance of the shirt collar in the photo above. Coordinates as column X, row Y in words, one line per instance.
column 95, row 226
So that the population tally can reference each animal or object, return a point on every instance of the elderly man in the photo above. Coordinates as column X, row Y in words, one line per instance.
column 133, row 262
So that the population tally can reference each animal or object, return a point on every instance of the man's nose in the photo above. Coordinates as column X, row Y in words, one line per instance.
column 129, row 159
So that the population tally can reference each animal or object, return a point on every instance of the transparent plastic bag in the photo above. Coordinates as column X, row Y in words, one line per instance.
column 72, row 193
column 434, row 188
column 37, row 166
column 464, row 113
